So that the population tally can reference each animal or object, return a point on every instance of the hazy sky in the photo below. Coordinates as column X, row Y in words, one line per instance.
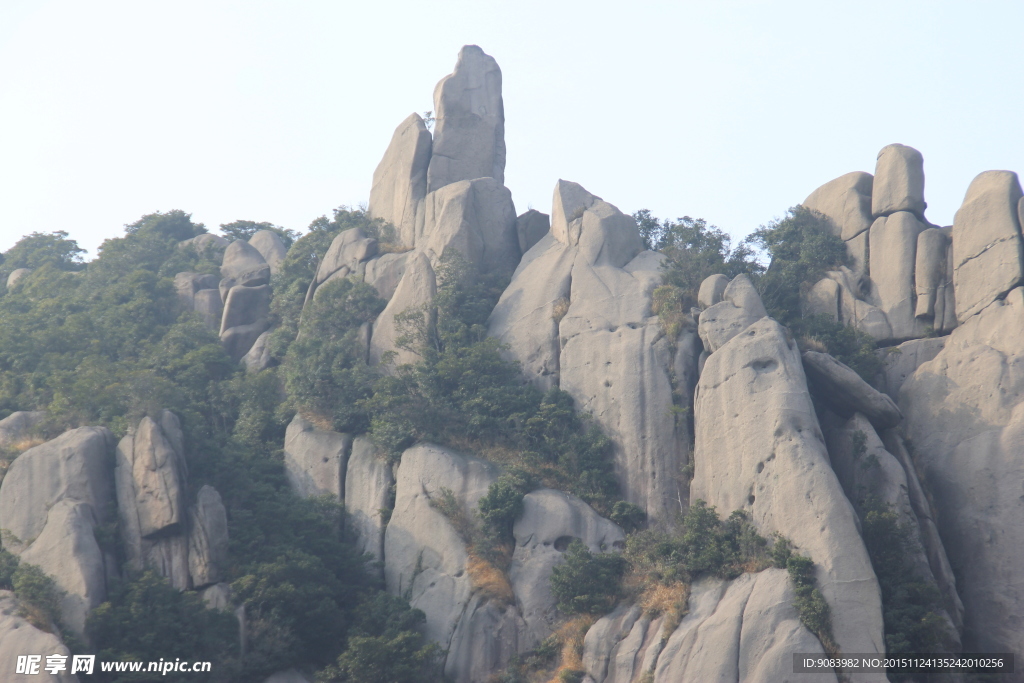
column 279, row 111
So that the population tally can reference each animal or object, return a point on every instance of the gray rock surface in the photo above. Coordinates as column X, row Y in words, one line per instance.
column 846, row 393
column 530, row 227
column 209, row 305
column 893, row 247
column 711, row 291
column 740, row 308
column 899, row 181
column 245, row 306
column 986, row 242
column 347, row 251
column 384, row 273
column 368, row 482
column 207, row 245
column 822, row 299
column 186, row 284
column 67, row 551
column 930, row 274
column 424, row 557
column 845, row 202
column 759, row 449
column 549, row 522
column 400, row 180
column 258, row 357
column 486, row 638
column 901, row 361
column 208, row 539
column 965, row 419
column 19, row 427
column 567, row 206
column 741, row 630
column 242, row 259
column 75, row 466
column 218, row 597
column 414, row 293
column 239, row 340
column 315, row 460
column 474, row 217
column 268, row 243
column 469, row 130
column 15, row 276
column 19, row 637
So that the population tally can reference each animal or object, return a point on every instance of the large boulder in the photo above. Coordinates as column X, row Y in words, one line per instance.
column 899, row 181
column 268, row 243
column 745, row 630
column 315, row 459
column 893, row 259
column 209, row 306
column 151, row 480
column 16, row 275
column 930, row 275
column 424, row 556
column 474, row 217
column 187, row 284
column 485, row 640
column 347, row 251
column 208, row 539
column 577, row 315
column 245, row 306
column 846, row 393
column 415, row 293
column 739, row 308
column 900, row 362
column 964, row 416
column 67, row 551
column 549, row 522
column 19, row 427
column 400, row 180
column 712, row 290
column 207, row 245
column 384, row 273
column 242, row 260
column 239, row 340
column 530, row 227
column 987, row 242
column 469, row 131
column 75, row 466
column 845, row 203
column 759, row 449
column 19, row 638
column 258, row 357
column 368, row 489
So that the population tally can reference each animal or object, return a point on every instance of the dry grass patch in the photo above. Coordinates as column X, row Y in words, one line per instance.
column 571, row 635
column 489, row 580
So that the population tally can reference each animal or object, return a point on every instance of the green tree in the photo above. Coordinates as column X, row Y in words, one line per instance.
column 42, row 249
column 243, row 230
column 586, row 583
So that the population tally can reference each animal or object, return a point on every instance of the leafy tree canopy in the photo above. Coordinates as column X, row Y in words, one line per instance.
column 243, row 230
column 42, row 249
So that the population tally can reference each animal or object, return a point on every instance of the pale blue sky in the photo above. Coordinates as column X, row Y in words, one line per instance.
column 279, row 111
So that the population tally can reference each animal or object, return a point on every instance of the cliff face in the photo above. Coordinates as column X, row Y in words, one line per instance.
column 724, row 407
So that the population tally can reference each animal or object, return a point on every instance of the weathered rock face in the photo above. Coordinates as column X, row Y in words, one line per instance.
column 965, row 419
column 846, row 393
column 474, row 217
column 75, row 466
column 899, row 181
column 19, row 426
column 207, row 303
column 845, row 202
column 268, row 243
column 349, row 249
column 400, row 181
column 241, row 259
column 901, row 361
column 739, row 308
column 187, row 284
column 740, row 630
column 245, row 306
column 150, row 477
column 207, row 245
column 19, row 637
column 711, row 291
column 759, row 449
column 469, row 132
column 51, row 501
column 208, row 538
column 258, row 357
column 415, row 292
column 315, row 460
column 987, row 242
column 368, row 488
column 16, row 275
column 531, row 227
column 893, row 247
column 424, row 557
column 577, row 315
column 549, row 522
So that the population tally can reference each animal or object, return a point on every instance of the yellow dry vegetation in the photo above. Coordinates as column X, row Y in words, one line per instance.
column 489, row 580
column 571, row 634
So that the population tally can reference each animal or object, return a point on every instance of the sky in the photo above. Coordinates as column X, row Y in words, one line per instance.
column 279, row 111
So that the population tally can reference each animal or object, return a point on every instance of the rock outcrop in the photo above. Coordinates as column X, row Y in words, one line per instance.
column 208, row 539
column 18, row 638
column 19, row 427
column 268, row 243
column 315, row 459
column 899, row 181
column 52, row 500
column 469, row 132
column 400, row 181
column 965, row 420
column 16, row 275
column 369, row 483
column 759, row 449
